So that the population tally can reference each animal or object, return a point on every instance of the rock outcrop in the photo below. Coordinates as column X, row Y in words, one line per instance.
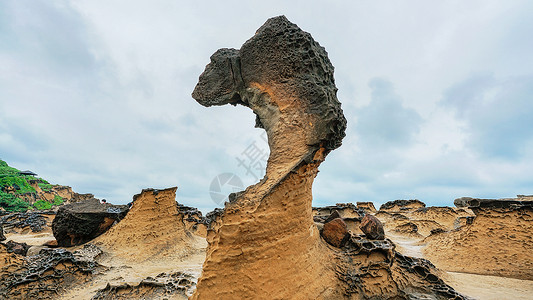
column 265, row 244
column 151, row 229
column 2, row 236
column 402, row 205
column 45, row 275
column 80, row 222
column 497, row 241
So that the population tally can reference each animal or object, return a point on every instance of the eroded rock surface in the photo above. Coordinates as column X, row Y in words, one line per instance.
column 46, row 275
column 80, row 222
column 265, row 245
column 153, row 227
column 497, row 241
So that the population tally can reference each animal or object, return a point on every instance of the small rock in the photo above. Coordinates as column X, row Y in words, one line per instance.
column 335, row 232
column 372, row 228
column 17, row 248
column 51, row 244
column 34, row 250
column 334, row 215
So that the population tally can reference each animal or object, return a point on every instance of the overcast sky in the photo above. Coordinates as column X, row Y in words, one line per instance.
column 437, row 94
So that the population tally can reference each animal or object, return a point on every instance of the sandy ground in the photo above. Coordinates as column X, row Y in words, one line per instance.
column 485, row 287
column 482, row 287
column 121, row 271
column 33, row 239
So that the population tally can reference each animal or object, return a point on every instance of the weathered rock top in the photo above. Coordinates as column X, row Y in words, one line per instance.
column 520, row 201
column 285, row 77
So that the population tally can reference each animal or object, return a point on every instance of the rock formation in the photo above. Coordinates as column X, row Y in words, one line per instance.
column 80, row 222
column 152, row 228
column 45, row 275
column 497, row 241
column 402, row 205
column 265, row 244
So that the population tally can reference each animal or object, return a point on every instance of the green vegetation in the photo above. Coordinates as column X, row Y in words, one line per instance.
column 10, row 202
column 41, row 204
column 58, row 200
column 45, row 186
column 11, row 180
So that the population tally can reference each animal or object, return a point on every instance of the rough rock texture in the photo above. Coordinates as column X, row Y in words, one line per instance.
column 402, row 205
column 372, row 227
column 285, row 77
column 2, row 236
column 368, row 207
column 17, row 248
column 46, row 275
column 35, row 221
column 265, row 244
column 478, row 203
column 163, row 286
column 498, row 240
column 153, row 227
column 335, row 232
column 80, row 222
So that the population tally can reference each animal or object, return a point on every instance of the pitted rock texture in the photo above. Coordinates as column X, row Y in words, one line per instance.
column 35, row 221
column 80, row 222
column 402, row 205
column 265, row 244
column 285, row 77
column 176, row 285
column 475, row 203
column 2, row 236
column 46, row 275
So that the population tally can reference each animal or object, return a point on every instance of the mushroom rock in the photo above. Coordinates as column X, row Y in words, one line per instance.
column 265, row 244
column 151, row 229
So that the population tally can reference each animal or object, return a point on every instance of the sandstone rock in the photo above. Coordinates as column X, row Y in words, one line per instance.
column 17, row 248
column 51, row 244
column 80, row 222
column 286, row 78
column 335, row 232
column 372, row 228
column 36, row 221
column 43, row 275
column 473, row 203
column 34, row 250
column 402, row 205
column 2, row 237
column 367, row 207
column 153, row 227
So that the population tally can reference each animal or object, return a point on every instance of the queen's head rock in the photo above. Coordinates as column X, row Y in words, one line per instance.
column 264, row 244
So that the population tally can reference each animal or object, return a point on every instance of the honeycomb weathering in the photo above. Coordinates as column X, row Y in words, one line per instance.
column 265, row 244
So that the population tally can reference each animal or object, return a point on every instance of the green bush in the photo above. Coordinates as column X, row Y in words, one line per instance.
column 42, row 204
column 10, row 202
column 58, row 200
column 45, row 186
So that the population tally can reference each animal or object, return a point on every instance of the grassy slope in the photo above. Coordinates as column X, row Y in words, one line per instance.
column 10, row 177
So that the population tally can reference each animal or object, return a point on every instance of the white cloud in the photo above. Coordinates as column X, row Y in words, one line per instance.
column 97, row 95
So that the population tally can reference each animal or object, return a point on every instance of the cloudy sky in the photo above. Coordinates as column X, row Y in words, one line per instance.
column 438, row 96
